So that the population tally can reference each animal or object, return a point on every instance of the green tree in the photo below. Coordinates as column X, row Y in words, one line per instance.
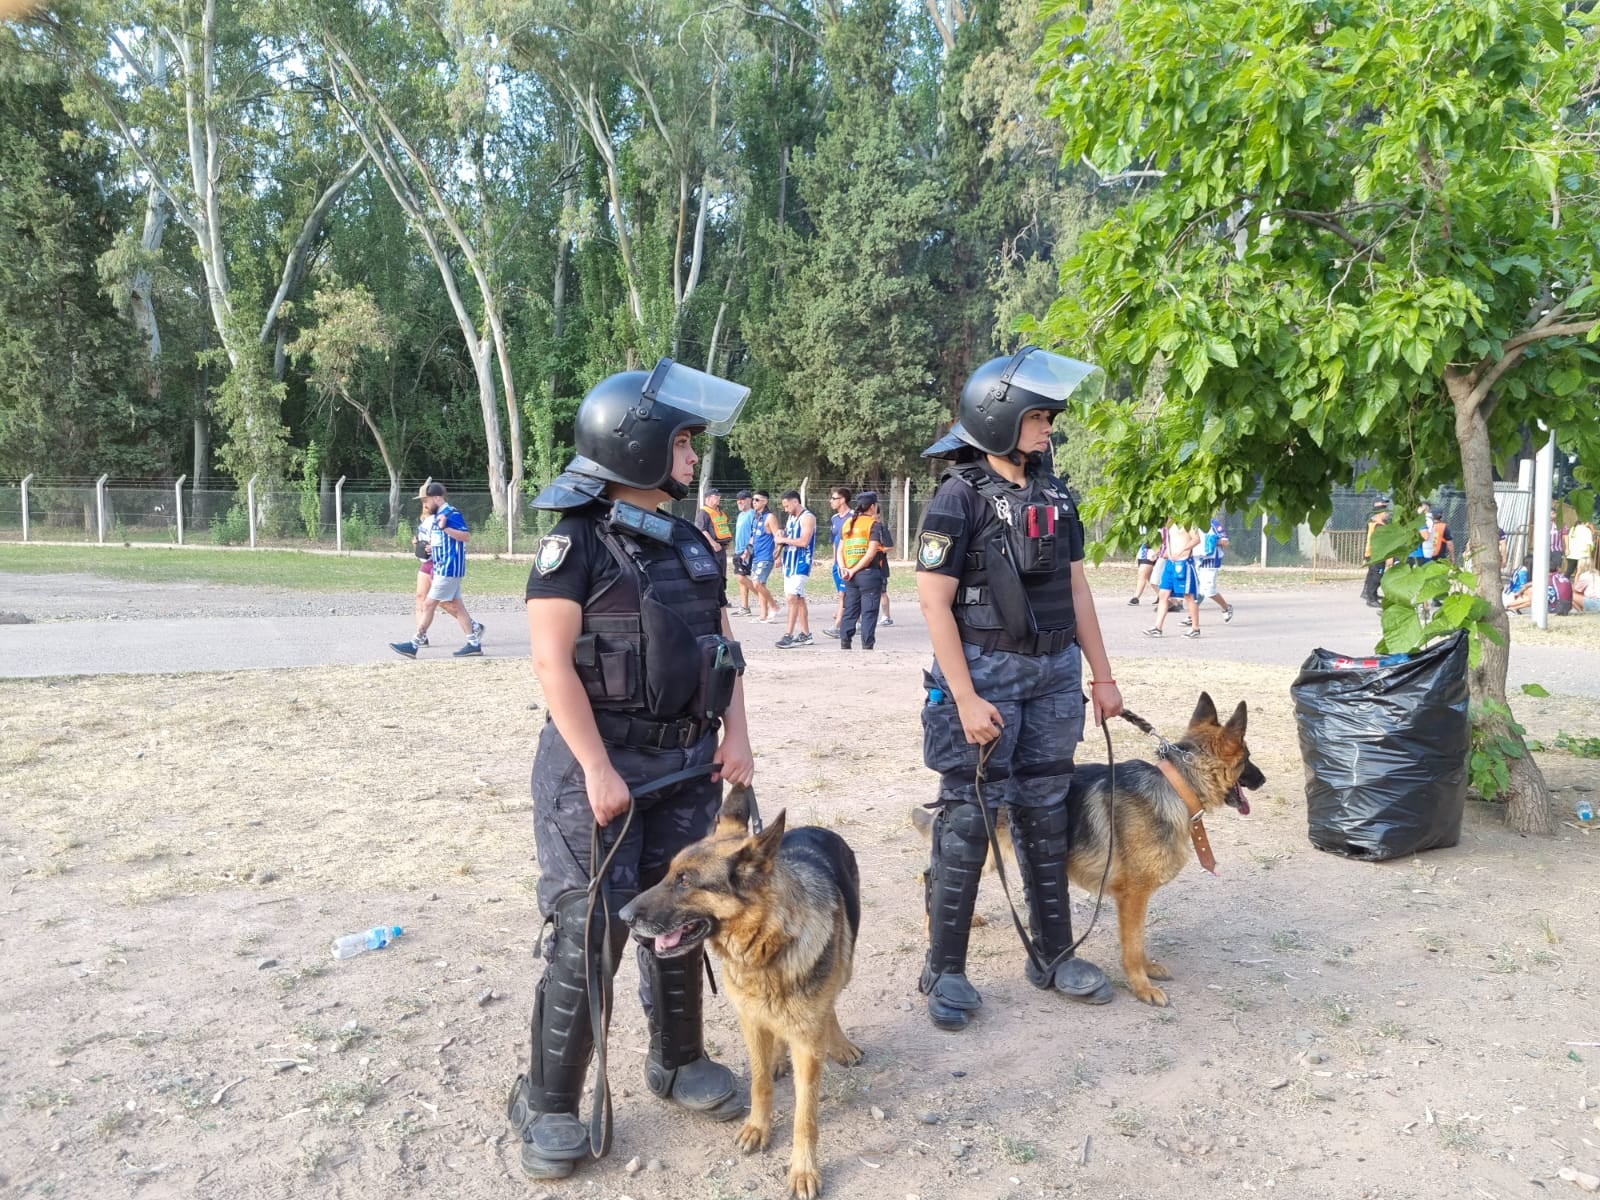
column 1358, row 230
column 71, row 369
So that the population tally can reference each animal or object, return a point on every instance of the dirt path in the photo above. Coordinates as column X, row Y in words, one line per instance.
column 177, row 853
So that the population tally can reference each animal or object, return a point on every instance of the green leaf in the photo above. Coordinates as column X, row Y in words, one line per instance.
column 1402, row 628
column 1534, row 689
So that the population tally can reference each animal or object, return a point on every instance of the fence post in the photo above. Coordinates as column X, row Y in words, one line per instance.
column 177, row 491
column 1263, row 539
column 905, row 519
column 512, row 505
column 100, row 508
column 338, row 516
column 250, row 508
column 27, row 479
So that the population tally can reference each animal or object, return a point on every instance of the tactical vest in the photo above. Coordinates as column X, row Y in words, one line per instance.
column 646, row 630
column 1017, row 578
column 856, row 537
column 720, row 528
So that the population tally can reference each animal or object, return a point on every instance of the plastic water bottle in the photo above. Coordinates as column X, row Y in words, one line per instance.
column 376, row 938
column 935, row 696
column 1585, row 812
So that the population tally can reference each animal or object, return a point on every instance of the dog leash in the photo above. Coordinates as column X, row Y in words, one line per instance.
column 1047, row 969
column 1168, row 754
column 598, row 983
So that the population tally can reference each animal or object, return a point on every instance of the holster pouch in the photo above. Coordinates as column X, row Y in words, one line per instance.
column 721, row 664
column 1005, row 585
column 1036, row 540
column 607, row 658
column 421, row 549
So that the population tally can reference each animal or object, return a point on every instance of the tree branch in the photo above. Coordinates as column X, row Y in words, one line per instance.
column 294, row 265
column 1363, row 249
column 1486, row 374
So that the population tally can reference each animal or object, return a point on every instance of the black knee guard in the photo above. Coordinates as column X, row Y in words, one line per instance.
column 960, row 845
column 543, row 1106
column 678, row 1069
column 1042, row 837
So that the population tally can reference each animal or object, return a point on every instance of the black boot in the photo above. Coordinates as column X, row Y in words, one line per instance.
column 543, row 1106
column 1043, row 838
column 960, row 846
column 678, row 1069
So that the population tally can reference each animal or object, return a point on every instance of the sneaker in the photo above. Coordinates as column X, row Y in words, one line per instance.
column 409, row 649
column 1134, row 601
column 477, row 632
column 1193, row 633
column 1152, row 632
column 831, row 631
column 420, row 640
column 1187, row 621
column 805, row 639
column 470, row 650
column 1227, row 614
column 785, row 642
column 886, row 622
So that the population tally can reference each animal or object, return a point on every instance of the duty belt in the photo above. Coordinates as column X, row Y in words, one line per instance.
column 1049, row 641
column 645, row 733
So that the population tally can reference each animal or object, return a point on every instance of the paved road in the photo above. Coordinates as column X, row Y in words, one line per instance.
column 255, row 630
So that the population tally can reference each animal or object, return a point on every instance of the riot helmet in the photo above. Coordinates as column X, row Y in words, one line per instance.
column 628, row 422
column 1002, row 390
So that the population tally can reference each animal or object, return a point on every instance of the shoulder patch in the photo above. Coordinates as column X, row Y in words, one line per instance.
column 552, row 552
column 933, row 549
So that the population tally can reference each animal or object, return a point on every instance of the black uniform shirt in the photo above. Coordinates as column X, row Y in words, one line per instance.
column 956, row 512
column 572, row 562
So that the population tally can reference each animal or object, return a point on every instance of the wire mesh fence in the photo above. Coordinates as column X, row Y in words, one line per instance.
column 363, row 515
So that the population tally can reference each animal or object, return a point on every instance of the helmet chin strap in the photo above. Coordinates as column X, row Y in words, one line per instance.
column 673, row 488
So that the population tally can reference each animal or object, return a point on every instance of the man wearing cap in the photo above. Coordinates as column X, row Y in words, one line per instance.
column 710, row 520
column 447, row 535
column 1375, row 568
column 743, row 526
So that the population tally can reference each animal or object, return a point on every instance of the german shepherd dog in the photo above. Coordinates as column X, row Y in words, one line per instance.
column 1152, row 841
column 781, row 910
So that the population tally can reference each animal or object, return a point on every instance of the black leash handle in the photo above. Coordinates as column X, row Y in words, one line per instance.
column 598, row 983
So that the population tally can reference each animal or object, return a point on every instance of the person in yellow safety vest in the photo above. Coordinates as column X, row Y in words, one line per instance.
column 861, row 560
column 713, row 522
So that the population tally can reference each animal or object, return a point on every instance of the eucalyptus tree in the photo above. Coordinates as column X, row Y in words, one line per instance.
column 192, row 96
column 1364, row 231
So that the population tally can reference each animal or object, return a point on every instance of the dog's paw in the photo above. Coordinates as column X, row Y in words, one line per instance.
column 752, row 1137
column 979, row 920
column 780, row 1068
column 847, row 1054
column 1156, row 971
column 1151, row 994
column 805, row 1183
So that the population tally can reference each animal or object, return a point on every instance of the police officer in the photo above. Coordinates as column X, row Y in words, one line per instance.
column 626, row 611
column 1000, row 579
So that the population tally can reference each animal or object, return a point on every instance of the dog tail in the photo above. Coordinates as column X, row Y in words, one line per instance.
column 922, row 821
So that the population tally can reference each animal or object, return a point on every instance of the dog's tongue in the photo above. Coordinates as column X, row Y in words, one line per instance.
column 666, row 941
column 1244, row 804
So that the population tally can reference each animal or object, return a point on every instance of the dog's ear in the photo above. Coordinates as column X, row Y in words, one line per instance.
column 1205, row 713
column 735, row 814
column 1236, row 722
column 756, row 856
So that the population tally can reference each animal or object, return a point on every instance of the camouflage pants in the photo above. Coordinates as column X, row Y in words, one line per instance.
column 663, row 823
column 1040, row 698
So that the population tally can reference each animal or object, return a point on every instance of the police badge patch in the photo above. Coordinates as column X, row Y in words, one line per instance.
column 933, row 549
column 552, row 552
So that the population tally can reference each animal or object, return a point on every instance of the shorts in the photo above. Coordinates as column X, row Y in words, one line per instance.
column 1205, row 581
column 445, row 587
column 425, row 566
column 741, row 565
column 838, row 579
column 1178, row 578
column 761, row 571
column 795, row 585
column 1591, row 604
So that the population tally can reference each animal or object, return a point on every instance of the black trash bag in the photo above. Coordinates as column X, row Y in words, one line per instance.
column 1386, row 743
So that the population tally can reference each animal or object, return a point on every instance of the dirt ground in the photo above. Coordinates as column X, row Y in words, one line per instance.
column 176, row 854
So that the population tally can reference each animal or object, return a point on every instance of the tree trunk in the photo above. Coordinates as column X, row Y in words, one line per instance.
column 1528, row 807
column 202, row 450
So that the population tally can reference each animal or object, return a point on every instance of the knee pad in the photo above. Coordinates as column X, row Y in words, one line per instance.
column 1041, row 834
column 960, row 835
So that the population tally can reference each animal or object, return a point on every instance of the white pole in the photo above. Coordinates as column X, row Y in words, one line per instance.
column 177, row 491
column 803, row 484
column 100, row 508
column 1263, row 539
column 1544, row 478
column 26, row 480
column 250, row 506
column 512, row 503
column 905, row 519
column 338, row 515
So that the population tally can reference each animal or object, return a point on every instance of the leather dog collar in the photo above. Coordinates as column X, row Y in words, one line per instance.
column 1197, row 812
